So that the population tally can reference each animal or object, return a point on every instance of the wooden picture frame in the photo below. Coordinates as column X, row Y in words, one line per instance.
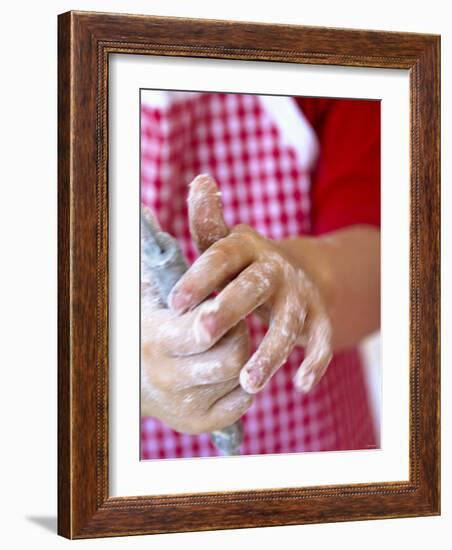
column 85, row 41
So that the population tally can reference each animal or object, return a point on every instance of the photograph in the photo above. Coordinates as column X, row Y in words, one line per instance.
column 248, row 274
column 260, row 274
column 223, row 243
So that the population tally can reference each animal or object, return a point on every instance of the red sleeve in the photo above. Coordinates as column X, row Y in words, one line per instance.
column 345, row 186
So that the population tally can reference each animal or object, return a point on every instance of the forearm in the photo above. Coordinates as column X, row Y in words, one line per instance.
column 345, row 266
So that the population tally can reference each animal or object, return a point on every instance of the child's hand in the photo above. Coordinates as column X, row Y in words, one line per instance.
column 194, row 393
column 192, row 386
column 255, row 274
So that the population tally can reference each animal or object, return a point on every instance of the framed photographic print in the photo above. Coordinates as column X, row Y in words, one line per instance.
column 248, row 275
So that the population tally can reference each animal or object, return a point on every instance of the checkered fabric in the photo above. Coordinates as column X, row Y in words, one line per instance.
column 263, row 184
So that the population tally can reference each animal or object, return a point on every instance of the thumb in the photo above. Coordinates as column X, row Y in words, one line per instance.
column 205, row 212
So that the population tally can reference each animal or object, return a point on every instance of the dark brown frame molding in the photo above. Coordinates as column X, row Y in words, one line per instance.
column 85, row 41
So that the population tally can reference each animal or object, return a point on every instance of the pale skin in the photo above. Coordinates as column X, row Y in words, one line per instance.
column 322, row 293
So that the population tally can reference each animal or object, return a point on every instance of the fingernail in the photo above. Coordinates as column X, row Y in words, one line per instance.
column 250, row 380
column 304, row 381
column 201, row 179
column 179, row 301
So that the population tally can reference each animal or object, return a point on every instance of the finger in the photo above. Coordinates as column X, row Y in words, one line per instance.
column 221, row 262
column 318, row 352
column 219, row 364
column 275, row 347
column 187, row 411
column 227, row 410
column 253, row 287
column 175, row 334
column 205, row 212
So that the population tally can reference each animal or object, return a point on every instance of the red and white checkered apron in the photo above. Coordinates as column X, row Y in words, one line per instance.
column 263, row 184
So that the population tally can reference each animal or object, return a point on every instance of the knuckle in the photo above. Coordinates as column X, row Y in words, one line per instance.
column 240, row 235
column 244, row 233
column 219, row 251
column 243, row 228
column 155, row 328
column 160, row 377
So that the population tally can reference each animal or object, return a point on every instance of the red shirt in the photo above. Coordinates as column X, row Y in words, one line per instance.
column 345, row 185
